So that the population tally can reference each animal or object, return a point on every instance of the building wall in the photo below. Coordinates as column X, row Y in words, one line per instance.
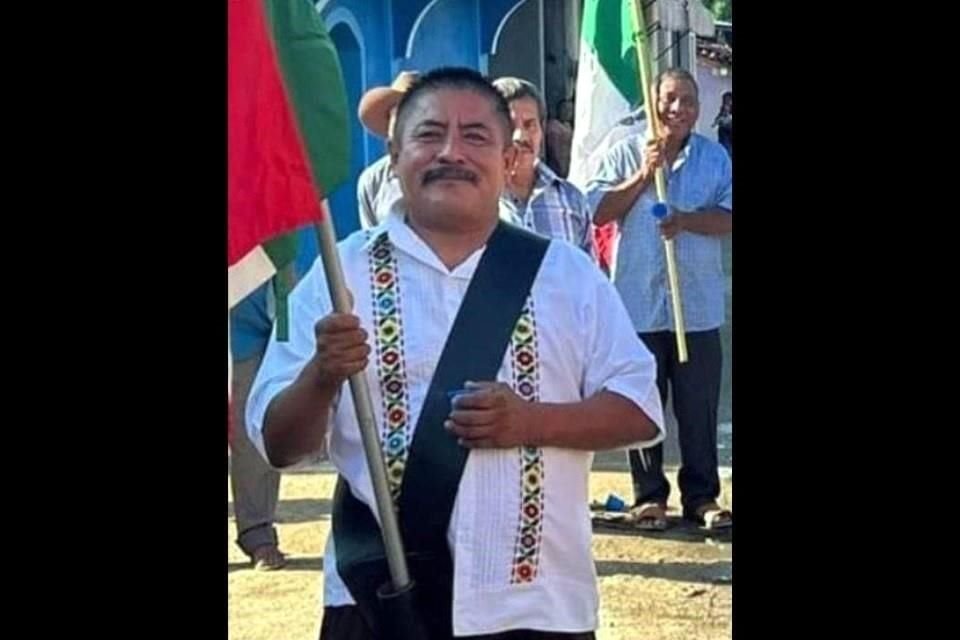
column 519, row 47
column 374, row 43
column 713, row 81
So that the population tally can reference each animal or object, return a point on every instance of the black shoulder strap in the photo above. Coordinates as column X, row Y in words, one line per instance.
column 473, row 351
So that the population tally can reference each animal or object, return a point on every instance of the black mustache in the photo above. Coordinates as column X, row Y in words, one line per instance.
column 449, row 173
column 523, row 143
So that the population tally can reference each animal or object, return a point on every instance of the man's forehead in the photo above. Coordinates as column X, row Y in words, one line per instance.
column 677, row 84
column 524, row 105
column 443, row 104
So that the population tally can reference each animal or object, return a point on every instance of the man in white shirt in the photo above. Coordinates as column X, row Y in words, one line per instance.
column 574, row 378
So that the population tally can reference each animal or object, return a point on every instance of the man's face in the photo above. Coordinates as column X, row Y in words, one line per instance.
column 451, row 154
column 527, row 134
column 678, row 107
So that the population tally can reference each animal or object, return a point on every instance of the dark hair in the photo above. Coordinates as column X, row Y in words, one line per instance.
column 454, row 78
column 516, row 88
column 677, row 74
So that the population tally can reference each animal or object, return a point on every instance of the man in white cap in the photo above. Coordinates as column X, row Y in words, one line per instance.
column 378, row 187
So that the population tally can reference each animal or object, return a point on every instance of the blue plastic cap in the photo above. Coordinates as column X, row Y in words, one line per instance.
column 659, row 210
column 615, row 503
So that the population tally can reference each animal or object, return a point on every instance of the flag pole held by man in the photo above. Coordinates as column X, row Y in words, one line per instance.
column 287, row 148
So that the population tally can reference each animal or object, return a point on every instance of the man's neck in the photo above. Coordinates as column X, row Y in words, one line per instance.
column 452, row 245
column 521, row 181
column 674, row 146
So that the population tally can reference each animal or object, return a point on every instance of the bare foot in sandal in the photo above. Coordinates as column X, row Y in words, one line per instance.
column 650, row 516
column 712, row 516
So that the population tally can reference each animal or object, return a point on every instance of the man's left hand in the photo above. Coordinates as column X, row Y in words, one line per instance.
column 671, row 226
column 490, row 415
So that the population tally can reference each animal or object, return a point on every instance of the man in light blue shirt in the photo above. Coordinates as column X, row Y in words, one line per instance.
column 700, row 198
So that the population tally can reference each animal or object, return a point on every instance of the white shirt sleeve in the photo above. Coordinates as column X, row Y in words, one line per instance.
column 617, row 360
column 283, row 361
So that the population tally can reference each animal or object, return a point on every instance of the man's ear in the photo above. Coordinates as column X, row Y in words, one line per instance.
column 394, row 151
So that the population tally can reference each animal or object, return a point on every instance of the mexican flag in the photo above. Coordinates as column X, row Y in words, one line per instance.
column 607, row 90
column 607, row 80
column 287, row 139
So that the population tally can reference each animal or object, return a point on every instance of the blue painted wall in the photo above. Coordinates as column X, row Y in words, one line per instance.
column 372, row 38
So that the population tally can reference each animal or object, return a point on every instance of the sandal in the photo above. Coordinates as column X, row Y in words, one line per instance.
column 650, row 516
column 712, row 516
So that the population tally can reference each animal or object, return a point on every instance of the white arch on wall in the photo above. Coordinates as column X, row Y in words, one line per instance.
column 416, row 26
column 344, row 16
column 503, row 23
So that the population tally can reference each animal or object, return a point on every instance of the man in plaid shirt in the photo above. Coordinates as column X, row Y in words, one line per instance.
column 536, row 197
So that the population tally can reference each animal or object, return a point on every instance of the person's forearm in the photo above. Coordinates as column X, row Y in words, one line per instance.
column 617, row 202
column 295, row 423
column 606, row 420
column 709, row 222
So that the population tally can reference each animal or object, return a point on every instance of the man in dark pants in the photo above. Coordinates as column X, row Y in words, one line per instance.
column 254, row 483
column 696, row 394
column 700, row 201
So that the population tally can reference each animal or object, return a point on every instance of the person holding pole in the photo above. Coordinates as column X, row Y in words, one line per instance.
column 699, row 198
column 497, row 361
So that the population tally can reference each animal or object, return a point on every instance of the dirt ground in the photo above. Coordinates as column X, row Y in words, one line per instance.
column 675, row 585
